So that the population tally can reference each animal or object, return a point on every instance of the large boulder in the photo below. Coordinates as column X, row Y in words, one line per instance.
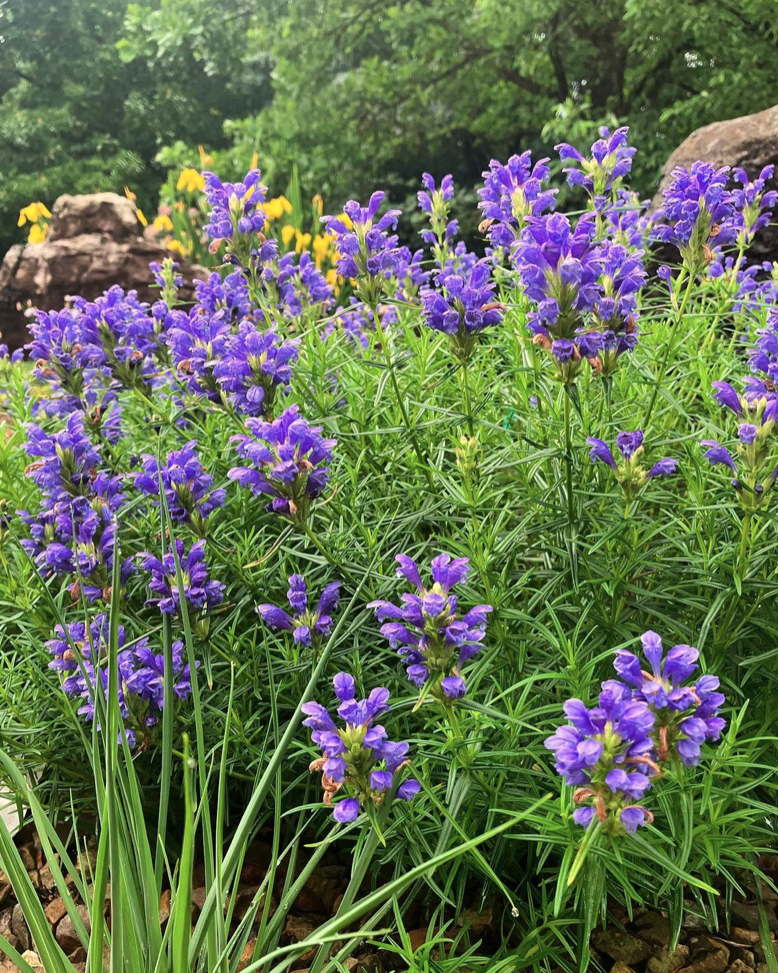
column 750, row 142
column 93, row 242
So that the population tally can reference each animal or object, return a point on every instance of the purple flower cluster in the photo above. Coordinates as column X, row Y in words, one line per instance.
column 754, row 206
column 74, row 531
column 435, row 202
column 698, row 213
column 253, row 365
column 290, row 463
column 758, row 411
column 427, row 631
column 197, row 341
column 612, row 753
column 603, row 753
column 611, row 160
column 200, row 592
column 354, row 322
column 301, row 286
column 368, row 254
column 631, row 476
column 80, row 657
column 686, row 716
column 188, row 486
column 235, row 207
column 358, row 755
column 409, row 274
column 461, row 306
column 513, row 193
column 307, row 625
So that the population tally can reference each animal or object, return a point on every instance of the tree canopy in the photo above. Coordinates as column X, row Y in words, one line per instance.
column 360, row 94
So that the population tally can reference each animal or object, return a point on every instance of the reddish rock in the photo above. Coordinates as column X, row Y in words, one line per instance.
column 55, row 910
column 750, row 141
column 66, row 933
column 19, row 929
column 93, row 243
column 247, row 954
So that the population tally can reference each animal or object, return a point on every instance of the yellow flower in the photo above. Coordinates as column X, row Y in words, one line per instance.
column 129, row 194
column 32, row 213
column 141, row 218
column 37, row 234
column 332, row 277
column 318, row 204
column 178, row 247
column 345, row 219
column 162, row 223
column 302, row 241
column 287, row 234
column 278, row 207
column 191, row 181
column 205, row 159
column 254, row 160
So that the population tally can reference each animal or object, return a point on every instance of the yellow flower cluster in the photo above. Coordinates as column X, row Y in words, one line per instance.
column 36, row 214
column 276, row 208
column 190, row 181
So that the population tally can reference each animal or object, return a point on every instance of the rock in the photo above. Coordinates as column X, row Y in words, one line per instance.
column 321, row 890
column 93, row 243
column 691, row 921
column 664, row 962
column 751, row 142
column 746, row 915
column 27, row 855
column 5, row 893
column 298, row 928
column 740, row 967
column 710, row 956
column 19, row 929
column 622, row 946
column 31, row 957
column 479, row 920
column 55, row 910
column 654, row 928
column 164, row 906
column 66, row 933
column 199, row 896
column 244, row 899
column 621, row 968
column 748, row 936
column 247, row 954
column 5, row 927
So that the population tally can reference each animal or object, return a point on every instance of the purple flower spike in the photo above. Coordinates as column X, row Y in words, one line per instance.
column 461, row 306
column 513, row 193
column 604, row 754
column 254, row 365
column 357, row 756
column 686, row 715
column 235, row 208
column 290, row 463
column 309, row 626
column 368, row 254
column 611, row 160
column 427, row 631
column 630, row 473
column 187, row 485
column 200, row 592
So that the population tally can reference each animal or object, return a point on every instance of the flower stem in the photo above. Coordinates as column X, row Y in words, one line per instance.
column 468, row 401
column 569, row 460
column 423, row 459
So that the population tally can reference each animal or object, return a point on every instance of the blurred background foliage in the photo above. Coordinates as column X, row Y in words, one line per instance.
column 102, row 94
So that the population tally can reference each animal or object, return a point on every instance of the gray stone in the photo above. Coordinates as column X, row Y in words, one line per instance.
column 622, row 946
column 20, row 930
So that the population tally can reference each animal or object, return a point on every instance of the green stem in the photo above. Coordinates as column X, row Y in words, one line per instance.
column 569, row 460
column 745, row 534
column 669, row 346
column 468, row 402
column 423, row 459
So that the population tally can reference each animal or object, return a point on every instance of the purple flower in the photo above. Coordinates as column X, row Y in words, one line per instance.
column 66, row 461
column 308, row 625
column 197, row 341
column 253, row 366
column 80, row 656
column 435, row 202
column 354, row 321
column 235, row 208
column 409, row 273
column 358, row 755
column 200, row 592
column 686, row 715
column 560, row 268
column 427, row 631
column 752, row 204
column 630, row 474
column 603, row 753
column 368, row 254
column 512, row 194
column 621, row 279
column 290, row 463
column 300, row 285
column 718, row 454
column 698, row 212
column 461, row 306
column 187, row 485
column 611, row 160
